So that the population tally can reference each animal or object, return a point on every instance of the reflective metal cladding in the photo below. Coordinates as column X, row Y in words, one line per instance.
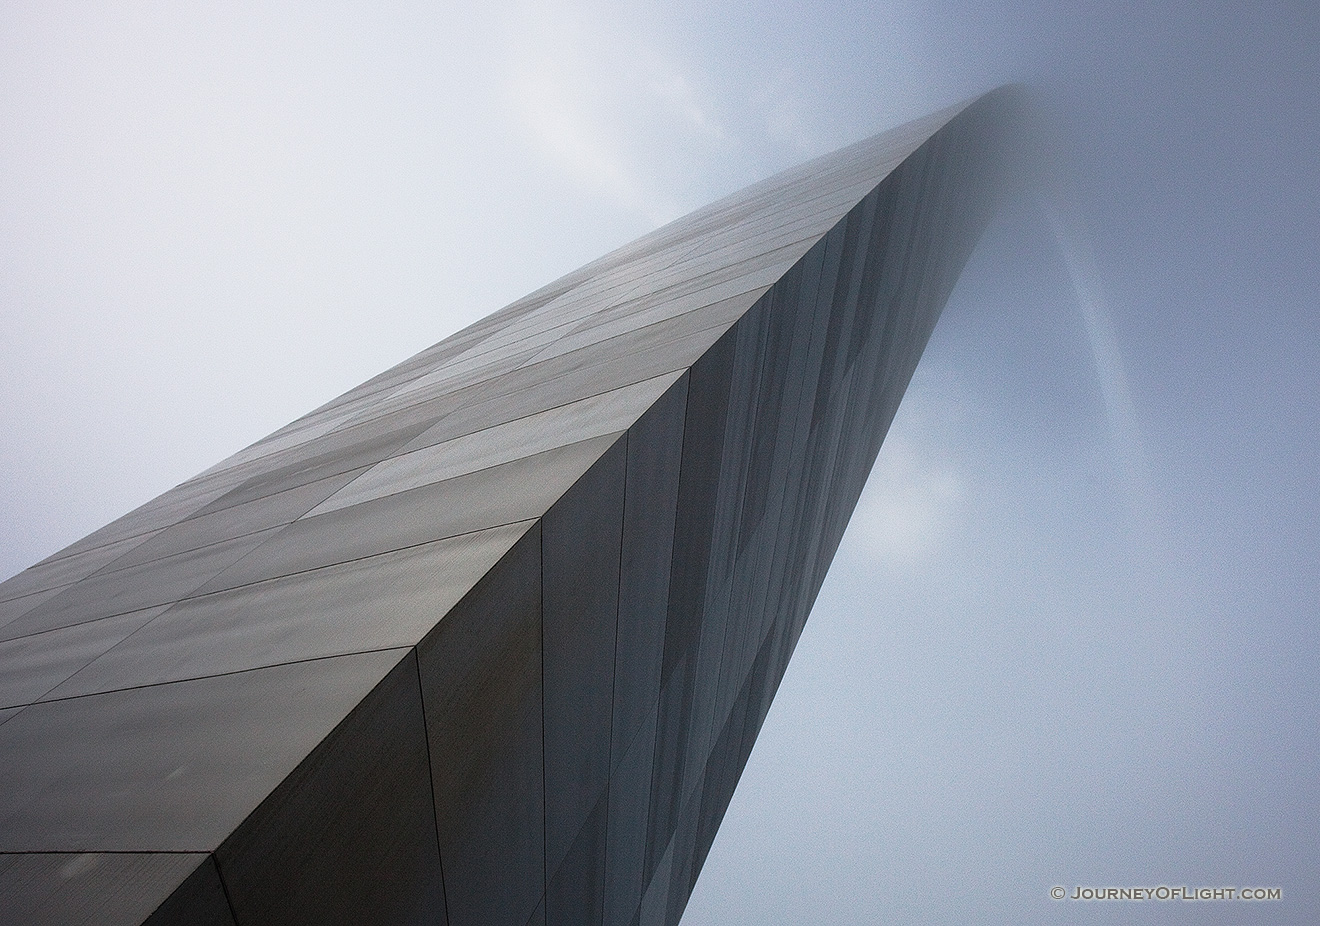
column 488, row 639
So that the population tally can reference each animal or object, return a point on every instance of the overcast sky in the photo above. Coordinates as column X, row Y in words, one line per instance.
column 1071, row 636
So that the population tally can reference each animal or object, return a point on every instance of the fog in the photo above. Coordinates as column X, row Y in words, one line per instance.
column 1070, row 637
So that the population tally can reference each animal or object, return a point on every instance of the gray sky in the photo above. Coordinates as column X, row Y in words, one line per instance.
column 1071, row 636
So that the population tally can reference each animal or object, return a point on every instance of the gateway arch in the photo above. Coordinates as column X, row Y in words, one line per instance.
column 488, row 639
